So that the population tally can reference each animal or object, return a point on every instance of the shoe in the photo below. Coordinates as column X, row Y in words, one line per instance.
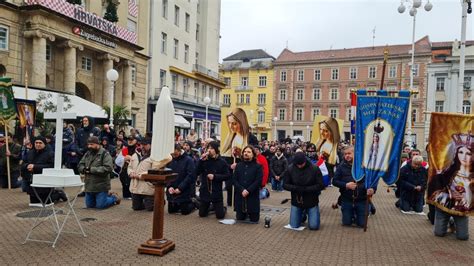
column 36, row 205
column 372, row 211
column 117, row 198
column 62, row 196
column 420, row 213
column 409, row 212
column 82, row 194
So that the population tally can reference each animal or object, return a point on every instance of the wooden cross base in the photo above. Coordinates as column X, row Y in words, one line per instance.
column 156, row 247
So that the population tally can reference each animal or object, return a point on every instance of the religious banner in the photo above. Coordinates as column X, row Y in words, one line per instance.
column 326, row 135
column 7, row 106
column 235, row 132
column 26, row 112
column 380, row 130
column 451, row 172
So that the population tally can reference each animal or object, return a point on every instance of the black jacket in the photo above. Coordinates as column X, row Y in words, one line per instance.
column 83, row 134
column 278, row 167
column 305, row 185
column 212, row 190
column 248, row 175
column 343, row 176
column 184, row 167
column 410, row 178
column 40, row 159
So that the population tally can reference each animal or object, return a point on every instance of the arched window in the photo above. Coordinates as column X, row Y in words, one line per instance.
column 466, row 107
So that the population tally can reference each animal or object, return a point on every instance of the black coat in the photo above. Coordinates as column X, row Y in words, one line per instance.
column 305, row 185
column 212, row 190
column 83, row 134
column 184, row 167
column 40, row 159
column 247, row 175
column 343, row 176
column 278, row 167
column 410, row 178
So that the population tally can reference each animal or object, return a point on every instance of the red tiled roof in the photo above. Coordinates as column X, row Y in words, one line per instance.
column 421, row 46
column 448, row 44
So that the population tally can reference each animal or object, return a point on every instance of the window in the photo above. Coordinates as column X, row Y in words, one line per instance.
column 174, row 83
column 439, row 106
column 186, row 22
column 392, row 72
column 372, row 72
column 131, row 25
column 247, row 98
column 86, row 63
column 416, row 68
column 315, row 111
column 299, row 114
column 134, row 74
column 317, row 94
column 176, row 49
column 48, row 52
column 197, row 58
column 203, row 91
column 211, row 93
column 241, row 98
column 317, row 74
column 164, row 10
column 244, row 82
column 226, row 99
column 164, row 40
column 281, row 114
column 335, row 74
column 162, row 78
column 414, row 115
column 300, row 75
column 348, row 114
column 299, row 94
column 333, row 112
column 3, row 38
column 466, row 107
column 440, row 84
column 176, row 15
column 283, row 75
column 262, row 98
column 185, row 86
column 353, row 73
column 467, row 83
column 282, row 95
column 262, row 81
column 186, row 53
column 261, row 117
column 334, row 94
column 227, row 81
column 197, row 32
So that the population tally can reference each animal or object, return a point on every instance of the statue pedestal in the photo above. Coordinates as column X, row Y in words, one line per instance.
column 158, row 245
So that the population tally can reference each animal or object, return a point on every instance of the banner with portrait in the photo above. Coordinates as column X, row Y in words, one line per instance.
column 451, row 172
column 7, row 106
column 235, row 132
column 26, row 112
column 326, row 136
column 380, row 130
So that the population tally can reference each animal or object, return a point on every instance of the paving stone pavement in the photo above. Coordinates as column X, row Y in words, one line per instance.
column 114, row 235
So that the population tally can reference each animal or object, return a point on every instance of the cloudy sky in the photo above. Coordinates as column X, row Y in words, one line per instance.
column 306, row 25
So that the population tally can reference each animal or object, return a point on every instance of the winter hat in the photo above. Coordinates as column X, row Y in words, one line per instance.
column 215, row 146
column 93, row 140
column 40, row 138
column 299, row 158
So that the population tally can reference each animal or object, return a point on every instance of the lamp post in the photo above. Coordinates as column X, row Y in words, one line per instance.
column 207, row 101
column 291, row 128
column 307, row 131
column 275, row 119
column 413, row 10
column 112, row 76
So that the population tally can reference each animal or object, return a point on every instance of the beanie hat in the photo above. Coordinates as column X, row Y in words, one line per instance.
column 299, row 158
column 40, row 138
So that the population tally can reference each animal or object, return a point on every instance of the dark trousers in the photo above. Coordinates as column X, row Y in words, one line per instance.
column 125, row 180
column 42, row 193
column 13, row 179
column 142, row 202
column 184, row 207
column 218, row 208
column 412, row 200
column 230, row 191
column 254, row 217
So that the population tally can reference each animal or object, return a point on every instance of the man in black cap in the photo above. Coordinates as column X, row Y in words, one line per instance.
column 305, row 182
column 37, row 159
column 96, row 165
column 127, row 152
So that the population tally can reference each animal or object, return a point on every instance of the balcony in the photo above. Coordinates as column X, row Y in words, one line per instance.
column 205, row 71
column 242, row 88
column 188, row 98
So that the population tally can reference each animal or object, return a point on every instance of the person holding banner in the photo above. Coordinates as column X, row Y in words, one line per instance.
column 14, row 152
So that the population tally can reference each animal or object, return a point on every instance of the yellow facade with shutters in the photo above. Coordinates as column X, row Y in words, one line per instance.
column 252, row 90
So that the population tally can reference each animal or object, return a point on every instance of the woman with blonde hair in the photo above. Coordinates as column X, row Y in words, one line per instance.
column 239, row 131
column 329, row 139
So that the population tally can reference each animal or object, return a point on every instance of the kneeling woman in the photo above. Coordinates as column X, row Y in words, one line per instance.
column 247, row 180
column 213, row 171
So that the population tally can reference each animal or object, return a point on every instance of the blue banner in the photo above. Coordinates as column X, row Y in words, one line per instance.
column 380, row 130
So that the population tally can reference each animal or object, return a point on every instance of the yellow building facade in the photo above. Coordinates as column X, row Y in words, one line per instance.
column 249, row 85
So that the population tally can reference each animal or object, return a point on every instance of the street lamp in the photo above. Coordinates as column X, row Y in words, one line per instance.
column 207, row 101
column 275, row 119
column 112, row 76
column 291, row 128
column 413, row 10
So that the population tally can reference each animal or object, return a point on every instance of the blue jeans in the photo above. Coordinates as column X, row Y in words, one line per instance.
column 277, row 185
column 354, row 211
column 296, row 215
column 441, row 224
column 99, row 200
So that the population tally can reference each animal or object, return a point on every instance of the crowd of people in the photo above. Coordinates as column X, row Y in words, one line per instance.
column 204, row 175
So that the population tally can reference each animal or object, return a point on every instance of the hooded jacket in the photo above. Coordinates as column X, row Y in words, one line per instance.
column 305, row 185
column 84, row 133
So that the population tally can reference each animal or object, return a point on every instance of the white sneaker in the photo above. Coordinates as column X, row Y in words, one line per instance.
column 39, row 205
column 410, row 212
column 421, row 213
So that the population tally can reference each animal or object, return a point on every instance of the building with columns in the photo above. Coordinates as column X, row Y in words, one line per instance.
column 69, row 48
column 319, row 83
column 184, row 50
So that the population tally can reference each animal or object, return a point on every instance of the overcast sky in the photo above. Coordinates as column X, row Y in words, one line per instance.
column 309, row 25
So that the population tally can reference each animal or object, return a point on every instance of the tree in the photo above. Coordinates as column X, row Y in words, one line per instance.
column 121, row 114
column 45, row 104
column 76, row 2
column 111, row 12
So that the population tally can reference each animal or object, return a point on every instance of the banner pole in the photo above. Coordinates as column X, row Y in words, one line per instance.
column 366, row 212
column 26, row 85
column 8, row 157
